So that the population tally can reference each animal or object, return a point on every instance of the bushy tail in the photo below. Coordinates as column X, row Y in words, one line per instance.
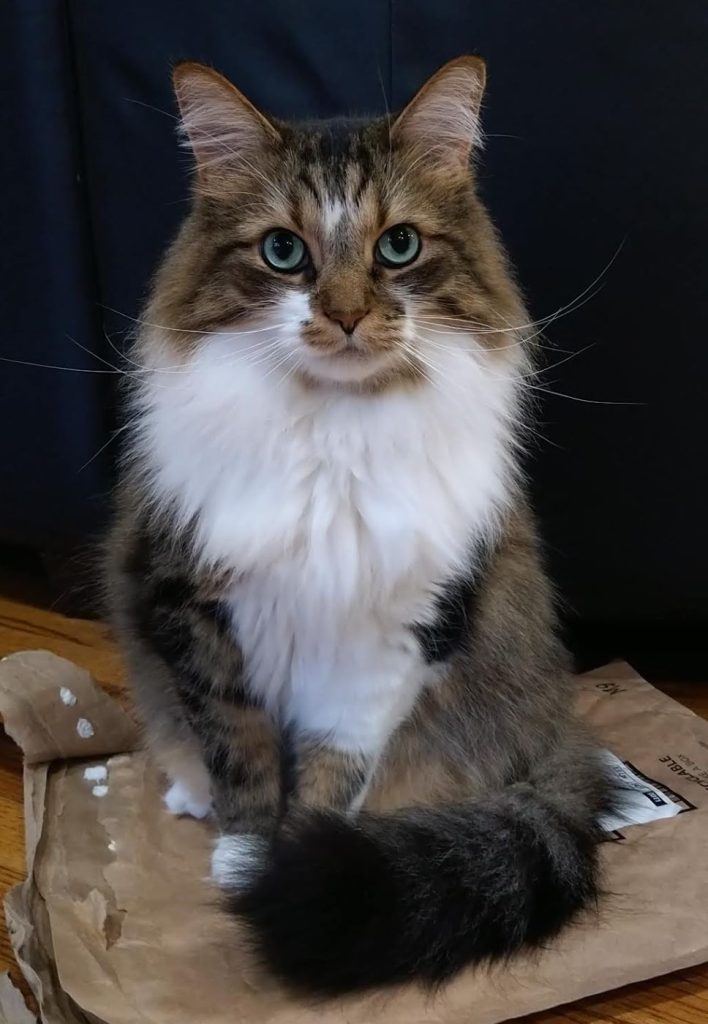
column 348, row 904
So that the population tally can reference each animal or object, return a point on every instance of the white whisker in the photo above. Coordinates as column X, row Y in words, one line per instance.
column 93, row 354
column 53, row 366
column 584, row 296
column 103, row 447
column 184, row 330
column 577, row 398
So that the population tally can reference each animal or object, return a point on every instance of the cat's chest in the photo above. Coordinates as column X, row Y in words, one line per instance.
column 340, row 522
column 326, row 522
column 348, row 497
column 340, row 519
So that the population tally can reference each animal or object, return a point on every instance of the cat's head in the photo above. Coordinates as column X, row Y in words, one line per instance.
column 345, row 252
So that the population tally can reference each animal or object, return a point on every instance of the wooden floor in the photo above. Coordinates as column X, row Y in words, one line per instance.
column 678, row 999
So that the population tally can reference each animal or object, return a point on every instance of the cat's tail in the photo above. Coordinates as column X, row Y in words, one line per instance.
column 341, row 904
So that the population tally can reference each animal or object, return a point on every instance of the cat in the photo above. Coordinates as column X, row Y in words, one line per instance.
column 323, row 567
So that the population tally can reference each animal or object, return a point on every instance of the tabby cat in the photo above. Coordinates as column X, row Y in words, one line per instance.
column 323, row 567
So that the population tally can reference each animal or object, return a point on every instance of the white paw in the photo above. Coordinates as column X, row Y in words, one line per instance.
column 181, row 800
column 237, row 859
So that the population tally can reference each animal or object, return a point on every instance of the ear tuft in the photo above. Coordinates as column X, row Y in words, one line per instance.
column 217, row 122
column 442, row 120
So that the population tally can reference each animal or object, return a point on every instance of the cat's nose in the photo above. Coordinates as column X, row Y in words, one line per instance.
column 347, row 319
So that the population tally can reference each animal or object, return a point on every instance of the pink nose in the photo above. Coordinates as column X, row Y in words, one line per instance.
column 347, row 320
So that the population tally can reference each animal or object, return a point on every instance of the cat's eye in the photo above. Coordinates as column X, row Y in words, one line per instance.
column 284, row 251
column 398, row 246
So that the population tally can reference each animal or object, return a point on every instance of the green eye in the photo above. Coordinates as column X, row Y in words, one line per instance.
column 398, row 246
column 284, row 251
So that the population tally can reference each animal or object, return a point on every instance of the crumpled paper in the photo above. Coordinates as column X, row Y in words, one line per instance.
column 13, row 1009
column 117, row 922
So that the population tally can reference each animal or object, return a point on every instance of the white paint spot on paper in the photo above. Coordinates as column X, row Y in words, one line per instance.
column 112, row 845
column 99, row 790
column 96, row 773
column 84, row 729
column 67, row 696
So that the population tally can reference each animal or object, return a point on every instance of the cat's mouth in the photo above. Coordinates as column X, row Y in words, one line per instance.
column 346, row 363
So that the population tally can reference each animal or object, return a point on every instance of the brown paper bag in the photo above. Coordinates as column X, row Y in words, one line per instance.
column 12, row 1006
column 117, row 922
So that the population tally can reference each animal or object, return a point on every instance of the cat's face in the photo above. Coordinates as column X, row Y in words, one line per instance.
column 345, row 253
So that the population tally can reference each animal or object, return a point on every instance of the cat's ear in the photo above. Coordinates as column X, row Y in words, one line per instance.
column 441, row 122
column 222, row 128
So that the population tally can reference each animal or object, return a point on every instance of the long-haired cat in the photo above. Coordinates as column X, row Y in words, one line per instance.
column 323, row 568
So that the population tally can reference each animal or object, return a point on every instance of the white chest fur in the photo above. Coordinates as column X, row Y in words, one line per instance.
column 339, row 514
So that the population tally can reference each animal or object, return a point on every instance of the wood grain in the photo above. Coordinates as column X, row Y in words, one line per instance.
column 680, row 998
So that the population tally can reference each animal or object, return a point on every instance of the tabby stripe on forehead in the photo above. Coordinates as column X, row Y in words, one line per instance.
column 335, row 143
column 361, row 188
column 306, row 180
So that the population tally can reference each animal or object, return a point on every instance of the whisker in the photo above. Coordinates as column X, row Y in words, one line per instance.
column 545, row 369
column 521, row 343
column 149, row 106
column 577, row 398
column 521, row 376
column 261, row 357
column 121, row 355
column 523, row 380
column 52, row 366
column 93, row 354
column 424, row 359
column 103, row 447
column 184, row 330
column 299, row 362
column 280, row 362
column 563, row 310
column 410, row 361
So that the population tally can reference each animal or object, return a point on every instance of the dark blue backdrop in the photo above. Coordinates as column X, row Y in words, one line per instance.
column 597, row 117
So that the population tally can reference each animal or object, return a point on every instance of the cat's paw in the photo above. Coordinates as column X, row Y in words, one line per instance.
column 237, row 859
column 180, row 800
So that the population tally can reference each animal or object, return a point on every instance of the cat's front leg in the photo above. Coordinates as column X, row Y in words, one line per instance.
column 341, row 730
column 327, row 777
column 243, row 757
column 179, row 625
column 231, row 766
column 331, row 778
column 341, row 711
column 337, row 731
column 239, row 742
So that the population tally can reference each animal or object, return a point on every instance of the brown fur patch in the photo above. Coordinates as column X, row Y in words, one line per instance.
column 247, row 790
column 328, row 778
